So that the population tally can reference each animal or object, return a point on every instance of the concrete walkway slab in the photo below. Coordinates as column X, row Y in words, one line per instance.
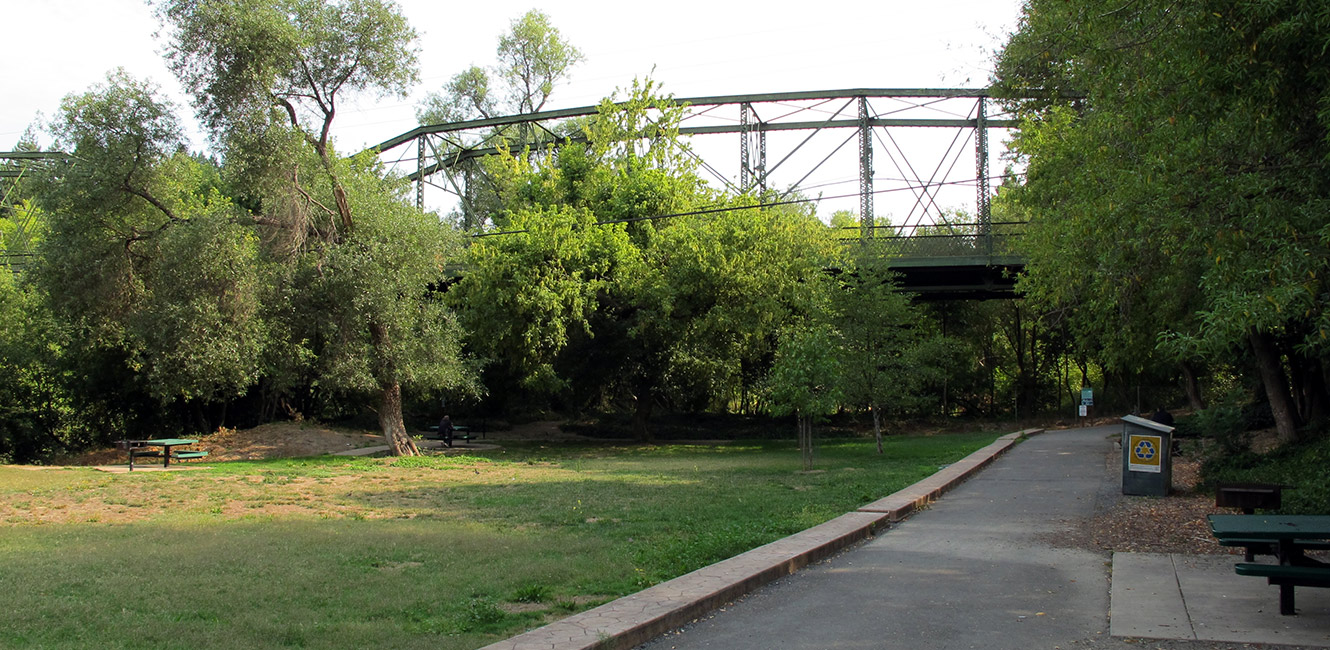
column 975, row 569
column 1145, row 600
column 639, row 617
column 982, row 568
column 1199, row 597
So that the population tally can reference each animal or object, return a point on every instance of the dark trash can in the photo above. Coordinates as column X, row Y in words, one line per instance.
column 1147, row 462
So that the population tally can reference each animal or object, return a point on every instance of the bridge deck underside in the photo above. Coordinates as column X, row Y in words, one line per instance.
column 953, row 266
column 953, row 279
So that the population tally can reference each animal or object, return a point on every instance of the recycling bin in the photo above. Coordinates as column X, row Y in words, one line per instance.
column 1147, row 465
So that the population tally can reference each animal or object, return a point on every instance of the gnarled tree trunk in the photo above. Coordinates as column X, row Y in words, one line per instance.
column 1276, row 387
column 390, row 422
column 1193, row 387
column 390, row 398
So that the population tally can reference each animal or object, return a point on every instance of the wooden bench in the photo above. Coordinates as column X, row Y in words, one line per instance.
column 1250, row 496
column 460, row 432
column 1288, row 576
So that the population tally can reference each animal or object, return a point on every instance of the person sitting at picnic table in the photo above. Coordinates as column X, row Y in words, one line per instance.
column 1162, row 417
column 446, row 431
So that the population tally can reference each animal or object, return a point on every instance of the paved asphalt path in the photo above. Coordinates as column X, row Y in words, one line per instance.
column 980, row 568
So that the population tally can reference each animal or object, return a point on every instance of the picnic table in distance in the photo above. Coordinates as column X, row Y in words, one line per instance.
column 147, row 448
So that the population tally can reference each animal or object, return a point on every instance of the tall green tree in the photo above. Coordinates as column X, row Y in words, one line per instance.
column 1177, row 184
column 533, row 58
column 630, row 294
column 879, row 333
column 527, row 294
column 267, row 78
column 804, row 380
column 38, row 416
column 143, row 256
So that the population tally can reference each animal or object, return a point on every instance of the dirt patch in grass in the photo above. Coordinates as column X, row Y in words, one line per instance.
column 273, row 440
column 284, row 440
column 298, row 439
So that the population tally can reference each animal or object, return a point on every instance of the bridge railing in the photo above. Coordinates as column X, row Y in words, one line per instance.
column 906, row 243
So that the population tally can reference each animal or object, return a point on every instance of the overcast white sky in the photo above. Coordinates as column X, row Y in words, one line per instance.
column 695, row 47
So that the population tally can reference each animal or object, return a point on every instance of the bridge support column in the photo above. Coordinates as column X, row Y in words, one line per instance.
column 745, row 171
column 420, row 173
column 749, row 124
column 866, row 218
column 761, row 156
column 982, row 197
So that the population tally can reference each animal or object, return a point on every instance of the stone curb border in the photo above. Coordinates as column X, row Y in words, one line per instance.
column 637, row 618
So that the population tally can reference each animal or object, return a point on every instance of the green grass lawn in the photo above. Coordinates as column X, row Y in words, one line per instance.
column 437, row 552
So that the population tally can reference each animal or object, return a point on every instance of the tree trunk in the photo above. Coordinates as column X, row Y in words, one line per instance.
column 1193, row 387
column 1318, row 398
column 642, row 415
column 1276, row 388
column 390, row 422
column 1314, row 407
column 1307, row 376
column 1065, row 380
column 390, row 399
column 806, row 441
column 877, row 427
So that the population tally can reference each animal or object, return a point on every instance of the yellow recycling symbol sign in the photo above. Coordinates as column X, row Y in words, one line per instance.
column 1146, row 453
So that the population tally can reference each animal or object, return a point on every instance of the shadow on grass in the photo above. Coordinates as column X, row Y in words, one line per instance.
column 417, row 552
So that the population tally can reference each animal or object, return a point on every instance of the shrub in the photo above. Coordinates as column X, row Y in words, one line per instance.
column 1300, row 465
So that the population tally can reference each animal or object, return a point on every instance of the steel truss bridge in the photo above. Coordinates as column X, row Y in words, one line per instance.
column 936, row 257
column 15, row 165
column 779, row 144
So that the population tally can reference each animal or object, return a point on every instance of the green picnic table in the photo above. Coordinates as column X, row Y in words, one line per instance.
column 1289, row 537
column 146, row 448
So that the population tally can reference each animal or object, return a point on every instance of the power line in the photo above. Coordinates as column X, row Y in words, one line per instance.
column 734, row 208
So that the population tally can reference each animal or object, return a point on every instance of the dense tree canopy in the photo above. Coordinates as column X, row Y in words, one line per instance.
column 175, row 286
column 883, row 339
column 267, row 77
column 1178, row 175
column 533, row 57
column 608, row 286
column 175, row 292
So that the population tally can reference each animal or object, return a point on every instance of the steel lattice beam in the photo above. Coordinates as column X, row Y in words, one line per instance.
column 716, row 100
column 866, row 218
column 469, row 140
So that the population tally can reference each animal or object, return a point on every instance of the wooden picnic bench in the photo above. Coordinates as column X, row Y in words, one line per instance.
column 460, row 432
column 1248, row 497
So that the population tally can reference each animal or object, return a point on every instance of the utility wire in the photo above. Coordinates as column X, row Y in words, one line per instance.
column 736, row 208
